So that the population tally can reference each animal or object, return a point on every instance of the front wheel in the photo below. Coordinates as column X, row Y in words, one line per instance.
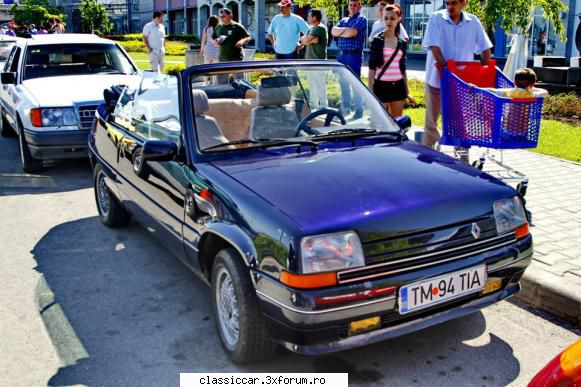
column 111, row 212
column 238, row 317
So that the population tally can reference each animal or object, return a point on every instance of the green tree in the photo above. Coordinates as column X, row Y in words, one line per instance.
column 94, row 18
column 35, row 11
column 517, row 14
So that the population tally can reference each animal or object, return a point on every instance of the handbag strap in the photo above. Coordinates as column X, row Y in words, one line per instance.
column 386, row 66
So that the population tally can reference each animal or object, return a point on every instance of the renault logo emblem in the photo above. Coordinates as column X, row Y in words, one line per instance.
column 475, row 231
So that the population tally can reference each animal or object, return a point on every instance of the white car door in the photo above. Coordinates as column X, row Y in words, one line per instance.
column 8, row 95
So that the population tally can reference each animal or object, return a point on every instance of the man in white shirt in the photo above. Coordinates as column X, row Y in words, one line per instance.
column 379, row 25
column 451, row 34
column 154, row 38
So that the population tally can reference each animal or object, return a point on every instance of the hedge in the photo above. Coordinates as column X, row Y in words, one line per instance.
column 139, row 36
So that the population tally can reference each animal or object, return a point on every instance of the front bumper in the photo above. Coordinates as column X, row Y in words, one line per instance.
column 295, row 321
column 57, row 144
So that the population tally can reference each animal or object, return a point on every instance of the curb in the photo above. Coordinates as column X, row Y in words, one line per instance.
column 66, row 342
column 560, row 296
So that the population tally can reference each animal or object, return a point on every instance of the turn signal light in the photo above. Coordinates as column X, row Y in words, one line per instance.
column 36, row 117
column 522, row 231
column 308, row 281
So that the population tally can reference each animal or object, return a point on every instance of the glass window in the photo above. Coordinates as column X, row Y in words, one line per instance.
column 416, row 16
column 283, row 103
column 542, row 41
column 151, row 111
column 5, row 48
column 75, row 59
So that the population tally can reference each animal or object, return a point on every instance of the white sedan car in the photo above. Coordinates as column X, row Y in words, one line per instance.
column 51, row 87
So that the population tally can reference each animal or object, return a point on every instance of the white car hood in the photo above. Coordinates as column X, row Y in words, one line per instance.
column 67, row 90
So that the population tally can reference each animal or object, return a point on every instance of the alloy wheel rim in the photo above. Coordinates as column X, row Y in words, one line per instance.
column 103, row 195
column 227, row 305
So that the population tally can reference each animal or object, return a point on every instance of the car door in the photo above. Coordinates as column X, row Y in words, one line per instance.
column 9, row 96
column 155, row 190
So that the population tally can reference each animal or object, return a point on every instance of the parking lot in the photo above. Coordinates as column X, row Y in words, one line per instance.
column 139, row 317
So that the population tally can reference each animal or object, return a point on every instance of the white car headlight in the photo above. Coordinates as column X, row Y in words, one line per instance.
column 509, row 214
column 331, row 252
column 53, row 117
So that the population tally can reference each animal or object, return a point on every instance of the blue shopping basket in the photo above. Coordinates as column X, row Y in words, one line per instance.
column 475, row 116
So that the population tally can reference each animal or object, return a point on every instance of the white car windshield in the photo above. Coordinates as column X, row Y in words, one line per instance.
column 293, row 103
column 75, row 59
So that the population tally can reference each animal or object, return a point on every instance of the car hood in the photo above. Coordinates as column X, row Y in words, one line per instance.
column 79, row 88
column 384, row 188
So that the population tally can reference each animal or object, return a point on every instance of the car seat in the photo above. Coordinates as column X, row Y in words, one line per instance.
column 208, row 131
column 271, row 118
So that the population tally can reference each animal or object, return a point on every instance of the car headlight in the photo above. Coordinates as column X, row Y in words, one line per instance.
column 331, row 252
column 509, row 214
column 53, row 117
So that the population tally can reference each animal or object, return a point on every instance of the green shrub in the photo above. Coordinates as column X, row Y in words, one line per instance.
column 183, row 38
column 416, row 89
column 563, row 106
column 133, row 46
column 173, row 69
column 175, row 48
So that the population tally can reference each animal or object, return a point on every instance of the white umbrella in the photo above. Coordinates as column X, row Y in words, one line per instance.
column 519, row 53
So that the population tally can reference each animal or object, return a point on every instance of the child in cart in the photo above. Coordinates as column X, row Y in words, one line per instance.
column 524, row 81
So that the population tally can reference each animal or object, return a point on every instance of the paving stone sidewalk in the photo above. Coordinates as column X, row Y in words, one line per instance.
column 553, row 281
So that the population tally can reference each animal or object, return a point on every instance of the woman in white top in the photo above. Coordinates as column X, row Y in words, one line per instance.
column 210, row 50
column 387, row 73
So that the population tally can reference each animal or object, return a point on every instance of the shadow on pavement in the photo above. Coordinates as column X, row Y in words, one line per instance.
column 57, row 176
column 143, row 318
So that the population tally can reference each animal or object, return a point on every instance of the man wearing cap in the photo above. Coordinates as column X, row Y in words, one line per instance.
column 285, row 30
column 153, row 39
column 351, row 33
column 230, row 36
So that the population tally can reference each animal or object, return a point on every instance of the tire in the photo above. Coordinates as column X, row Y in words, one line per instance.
column 140, row 167
column 111, row 212
column 6, row 129
column 245, row 340
column 29, row 163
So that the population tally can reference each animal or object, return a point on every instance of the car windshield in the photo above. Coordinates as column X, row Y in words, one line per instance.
column 75, row 59
column 252, row 107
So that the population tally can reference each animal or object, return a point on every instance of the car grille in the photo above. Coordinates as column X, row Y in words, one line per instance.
column 86, row 116
column 421, row 250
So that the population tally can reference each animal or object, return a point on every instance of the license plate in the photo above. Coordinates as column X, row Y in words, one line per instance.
column 437, row 290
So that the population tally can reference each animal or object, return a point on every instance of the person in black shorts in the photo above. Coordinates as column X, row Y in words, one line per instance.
column 387, row 73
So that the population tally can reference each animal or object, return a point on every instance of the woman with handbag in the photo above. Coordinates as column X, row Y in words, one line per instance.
column 387, row 73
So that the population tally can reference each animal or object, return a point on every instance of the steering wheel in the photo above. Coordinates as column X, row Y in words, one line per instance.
column 331, row 113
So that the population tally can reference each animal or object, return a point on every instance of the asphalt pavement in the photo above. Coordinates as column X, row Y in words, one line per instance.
column 86, row 305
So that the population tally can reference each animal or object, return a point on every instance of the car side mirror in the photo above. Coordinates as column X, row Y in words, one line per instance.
column 157, row 150
column 8, row 78
column 404, row 122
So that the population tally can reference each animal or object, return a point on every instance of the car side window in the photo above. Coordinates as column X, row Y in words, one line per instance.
column 8, row 63
column 15, row 60
column 152, row 110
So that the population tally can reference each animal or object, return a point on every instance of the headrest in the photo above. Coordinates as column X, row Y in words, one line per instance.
column 200, row 99
column 96, row 59
column 273, row 96
column 38, row 59
column 278, row 81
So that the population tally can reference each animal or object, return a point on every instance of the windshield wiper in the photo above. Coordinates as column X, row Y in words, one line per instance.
column 266, row 142
column 112, row 72
column 358, row 133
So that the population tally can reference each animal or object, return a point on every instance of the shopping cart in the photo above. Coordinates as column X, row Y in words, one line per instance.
column 474, row 116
